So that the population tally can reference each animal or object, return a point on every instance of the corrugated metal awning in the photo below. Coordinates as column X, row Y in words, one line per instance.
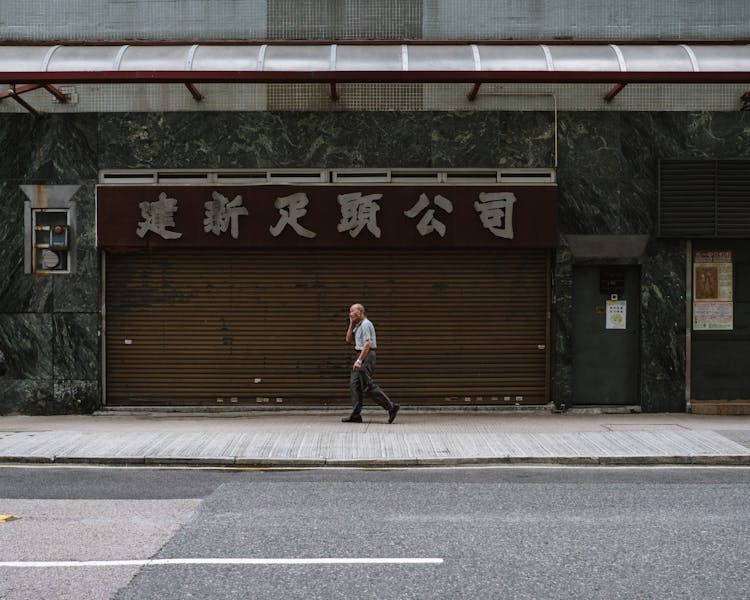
column 372, row 63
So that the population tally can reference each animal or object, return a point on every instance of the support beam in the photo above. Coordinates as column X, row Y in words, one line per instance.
column 61, row 98
column 25, row 104
column 614, row 91
column 22, row 89
column 472, row 95
column 197, row 96
column 334, row 93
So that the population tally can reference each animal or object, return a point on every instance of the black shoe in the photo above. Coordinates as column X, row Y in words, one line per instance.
column 352, row 419
column 392, row 413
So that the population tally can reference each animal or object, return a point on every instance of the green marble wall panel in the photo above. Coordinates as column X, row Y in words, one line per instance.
column 48, row 324
column 327, row 140
column 663, row 292
column 79, row 291
column 75, row 346
column 15, row 141
column 25, row 396
column 561, row 325
column 70, row 396
column 27, row 340
column 590, row 197
column 38, row 397
column 18, row 292
column 63, row 149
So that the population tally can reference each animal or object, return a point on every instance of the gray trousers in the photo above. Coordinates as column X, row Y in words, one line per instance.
column 361, row 383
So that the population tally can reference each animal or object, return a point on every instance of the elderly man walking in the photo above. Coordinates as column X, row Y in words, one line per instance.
column 362, row 332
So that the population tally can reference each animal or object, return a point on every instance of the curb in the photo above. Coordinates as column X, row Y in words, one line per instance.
column 382, row 463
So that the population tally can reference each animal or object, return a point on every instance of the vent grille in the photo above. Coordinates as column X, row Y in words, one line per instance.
column 700, row 198
column 733, row 198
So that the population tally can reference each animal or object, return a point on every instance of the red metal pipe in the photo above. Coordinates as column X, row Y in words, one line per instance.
column 21, row 89
column 25, row 104
column 197, row 96
column 614, row 91
column 472, row 95
column 62, row 98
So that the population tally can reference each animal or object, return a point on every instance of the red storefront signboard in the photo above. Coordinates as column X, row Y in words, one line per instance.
column 326, row 216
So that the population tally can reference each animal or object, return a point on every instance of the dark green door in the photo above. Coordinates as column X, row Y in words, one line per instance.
column 605, row 338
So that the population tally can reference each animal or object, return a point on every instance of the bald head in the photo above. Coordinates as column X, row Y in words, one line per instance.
column 356, row 312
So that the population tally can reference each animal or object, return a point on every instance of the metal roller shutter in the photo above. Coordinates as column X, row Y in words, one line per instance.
column 190, row 327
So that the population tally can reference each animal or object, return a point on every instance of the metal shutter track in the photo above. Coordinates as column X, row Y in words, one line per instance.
column 454, row 327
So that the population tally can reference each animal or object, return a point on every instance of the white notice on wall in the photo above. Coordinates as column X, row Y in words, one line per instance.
column 713, row 316
column 617, row 314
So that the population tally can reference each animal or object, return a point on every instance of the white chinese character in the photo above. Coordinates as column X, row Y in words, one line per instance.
column 220, row 213
column 496, row 211
column 157, row 217
column 358, row 212
column 292, row 209
column 428, row 223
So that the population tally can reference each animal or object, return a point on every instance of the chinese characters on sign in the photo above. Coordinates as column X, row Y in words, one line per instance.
column 358, row 212
column 428, row 223
column 713, row 306
column 496, row 211
column 220, row 213
column 292, row 209
column 158, row 217
column 326, row 216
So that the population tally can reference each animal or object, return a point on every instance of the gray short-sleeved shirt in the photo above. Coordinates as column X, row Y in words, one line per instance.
column 363, row 331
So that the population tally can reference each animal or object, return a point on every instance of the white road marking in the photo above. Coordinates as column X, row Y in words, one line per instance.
column 220, row 561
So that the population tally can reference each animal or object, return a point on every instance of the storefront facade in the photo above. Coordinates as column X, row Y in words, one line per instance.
column 588, row 293
column 235, row 295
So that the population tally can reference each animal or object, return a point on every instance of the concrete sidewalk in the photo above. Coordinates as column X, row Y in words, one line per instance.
column 319, row 439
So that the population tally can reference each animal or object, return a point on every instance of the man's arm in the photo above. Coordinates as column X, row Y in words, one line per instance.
column 362, row 355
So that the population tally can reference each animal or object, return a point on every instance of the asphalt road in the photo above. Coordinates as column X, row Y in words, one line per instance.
column 468, row 533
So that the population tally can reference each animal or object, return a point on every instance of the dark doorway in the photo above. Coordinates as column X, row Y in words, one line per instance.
column 721, row 357
column 605, row 337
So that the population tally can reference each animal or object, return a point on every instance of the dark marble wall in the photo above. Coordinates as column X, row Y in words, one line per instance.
column 49, row 326
column 326, row 140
